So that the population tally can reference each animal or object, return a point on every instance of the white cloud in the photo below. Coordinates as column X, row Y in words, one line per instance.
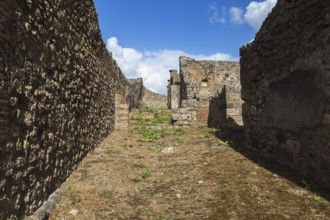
column 216, row 16
column 153, row 66
column 256, row 12
column 236, row 15
column 254, row 15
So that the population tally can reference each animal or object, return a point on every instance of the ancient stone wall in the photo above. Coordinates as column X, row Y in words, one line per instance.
column 57, row 92
column 121, row 112
column 186, row 115
column 173, row 89
column 202, row 79
column 134, row 93
column 285, row 76
column 215, row 87
column 151, row 99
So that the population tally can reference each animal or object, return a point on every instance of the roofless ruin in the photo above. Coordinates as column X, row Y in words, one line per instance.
column 61, row 93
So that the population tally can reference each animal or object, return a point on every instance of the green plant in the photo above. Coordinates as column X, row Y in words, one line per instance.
column 136, row 118
column 225, row 143
column 136, row 180
column 204, row 136
column 160, row 119
column 84, row 174
column 183, row 142
column 96, row 161
column 150, row 135
column 106, row 194
column 127, row 146
column 73, row 197
column 136, row 197
column 145, row 173
column 158, row 149
column 179, row 131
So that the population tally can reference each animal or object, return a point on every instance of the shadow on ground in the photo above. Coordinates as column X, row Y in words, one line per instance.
column 236, row 140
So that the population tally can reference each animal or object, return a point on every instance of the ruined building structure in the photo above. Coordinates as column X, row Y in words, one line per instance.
column 205, row 93
column 173, row 90
column 136, row 96
column 285, row 75
column 59, row 87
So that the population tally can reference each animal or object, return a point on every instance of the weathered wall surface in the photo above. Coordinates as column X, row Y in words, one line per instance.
column 57, row 90
column 134, row 93
column 186, row 116
column 215, row 87
column 173, row 90
column 151, row 99
column 121, row 112
column 285, row 75
column 202, row 79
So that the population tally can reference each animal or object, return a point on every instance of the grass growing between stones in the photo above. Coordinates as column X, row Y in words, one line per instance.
column 203, row 178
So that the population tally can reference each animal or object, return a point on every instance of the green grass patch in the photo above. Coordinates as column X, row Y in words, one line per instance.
column 151, row 135
column 96, row 161
column 161, row 119
column 105, row 194
column 136, row 197
column 127, row 146
column 84, row 174
column 183, row 142
column 158, row 149
column 136, row 180
column 145, row 173
column 73, row 197
column 204, row 136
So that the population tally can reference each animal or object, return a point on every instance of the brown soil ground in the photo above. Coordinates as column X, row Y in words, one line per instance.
column 129, row 176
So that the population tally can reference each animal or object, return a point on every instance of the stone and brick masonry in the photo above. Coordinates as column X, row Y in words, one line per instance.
column 209, row 94
column 285, row 76
column 57, row 92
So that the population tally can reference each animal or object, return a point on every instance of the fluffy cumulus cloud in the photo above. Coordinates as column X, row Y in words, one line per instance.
column 236, row 15
column 153, row 66
column 256, row 12
column 254, row 15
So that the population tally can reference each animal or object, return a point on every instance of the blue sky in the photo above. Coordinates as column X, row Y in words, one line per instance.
column 146, row 37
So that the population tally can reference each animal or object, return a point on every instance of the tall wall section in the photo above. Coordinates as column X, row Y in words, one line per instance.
column 285, row 76
column 57, row 91
column 134, row 93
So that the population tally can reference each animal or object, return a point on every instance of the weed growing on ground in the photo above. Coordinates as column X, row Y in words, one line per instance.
column 136, row 180
column 136, row 197
column 96, row 161
column 160, row 119
column 158, row 149
column 84, row 174
column 73, row 197
column 136, row 118
column 204, row 136
column 150, row 135
column 127, row 146
column 208, row 134
column 105, row 194
column 145, row 172
column 183, row 142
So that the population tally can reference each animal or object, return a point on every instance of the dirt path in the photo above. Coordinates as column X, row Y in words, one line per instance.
column 171, row 173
